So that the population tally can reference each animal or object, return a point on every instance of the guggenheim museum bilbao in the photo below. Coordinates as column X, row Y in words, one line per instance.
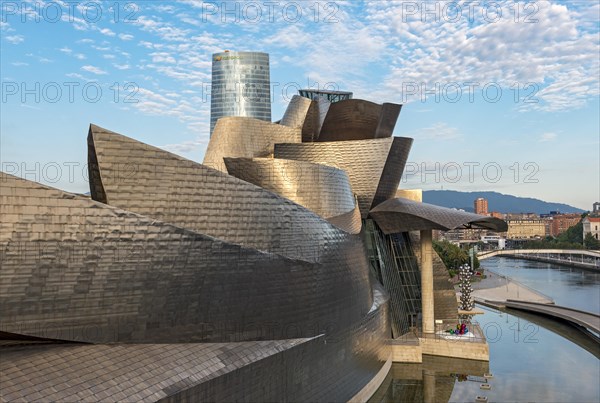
column 282, row 268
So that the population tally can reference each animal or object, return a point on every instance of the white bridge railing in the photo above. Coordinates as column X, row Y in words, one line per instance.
column 579, row 257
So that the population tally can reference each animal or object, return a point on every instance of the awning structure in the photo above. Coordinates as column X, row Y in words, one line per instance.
column 400, row 215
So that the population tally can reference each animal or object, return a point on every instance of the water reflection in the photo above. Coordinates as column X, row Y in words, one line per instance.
column 532, row 363
column 575, row 334
column 571, row 287
column 532, row 358
column 432, row 381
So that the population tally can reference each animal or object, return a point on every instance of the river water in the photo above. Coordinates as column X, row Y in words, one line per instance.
column 529, row 361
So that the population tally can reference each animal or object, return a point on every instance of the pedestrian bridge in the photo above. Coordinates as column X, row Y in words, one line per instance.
column 571, row 257
column 588, row 320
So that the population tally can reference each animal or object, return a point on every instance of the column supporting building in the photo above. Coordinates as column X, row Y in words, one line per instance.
column 428, row 386
column 427, row 281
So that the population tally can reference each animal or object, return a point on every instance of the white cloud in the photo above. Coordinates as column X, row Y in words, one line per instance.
column 107, row 32
column 14, row 39
column 555, row 53
column 80, row 56
column 121, row 66
column 78, row 23
column 93, row 69
column 186, row 146
column 78, row 76
column 164, row 9
column 162, row 57
column 165, row 31
column 5, row 26
column 545, row 137
column 290, row 37
column 66, row 50
column 125, row 37
column 149, row 95
column 20, row 64
column 438, row 131
column 39, row 58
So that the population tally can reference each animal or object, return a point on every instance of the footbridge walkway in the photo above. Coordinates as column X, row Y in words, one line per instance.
column 590, row 321
column 584, row 259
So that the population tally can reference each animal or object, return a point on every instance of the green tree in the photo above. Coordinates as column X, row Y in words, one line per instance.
column 590, row 242
column 574, row 234
column 452, row 255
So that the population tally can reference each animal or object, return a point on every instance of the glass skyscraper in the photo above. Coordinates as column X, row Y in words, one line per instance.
column 241, row 86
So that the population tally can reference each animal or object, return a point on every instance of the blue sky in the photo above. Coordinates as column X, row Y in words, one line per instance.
column 497, row 95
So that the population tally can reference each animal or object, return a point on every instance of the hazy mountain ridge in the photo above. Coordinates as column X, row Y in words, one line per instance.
column 496, row 202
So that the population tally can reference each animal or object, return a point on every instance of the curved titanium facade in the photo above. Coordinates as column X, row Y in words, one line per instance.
column 401, row 215
column 246, row 137
column 320, row 188
column 392, row 170
column 153, row 182
column 307, row 115
column 296, row 112
column 357, row 119
column 326, row 368
column 314, row 119
column 349, row 222
column 84, row 271
column 373, row 166
column 241, row 86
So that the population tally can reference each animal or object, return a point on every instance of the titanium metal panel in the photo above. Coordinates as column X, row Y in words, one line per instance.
column 296, row 112
column 314, row 119
column 78, row 270
column 323, row 189
column 241, row 86
column 131, row 372
column 387, row 119
column 169, row 188
column 325, row 369
column 373, row 166
column 393, row 170
column 332, row 367
column 357, row 119
column 349, row 222
column 246, row 137
column 401, row 215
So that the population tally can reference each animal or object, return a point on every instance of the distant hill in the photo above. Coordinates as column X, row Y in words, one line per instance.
column 496, row 202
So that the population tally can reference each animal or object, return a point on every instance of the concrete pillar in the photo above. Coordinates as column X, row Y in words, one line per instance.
column 428, row 386
column 427, row 281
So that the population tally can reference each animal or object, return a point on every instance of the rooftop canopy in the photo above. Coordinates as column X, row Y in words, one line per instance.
column 400, row 215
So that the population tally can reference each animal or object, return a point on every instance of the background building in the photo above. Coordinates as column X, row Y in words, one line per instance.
column 480, row 206
column 241, row 86
column 591, row 225
column 521, row 216
column 525, row 229
column 562, row 222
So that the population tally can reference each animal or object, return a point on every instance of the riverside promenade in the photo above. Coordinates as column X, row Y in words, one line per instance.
column 501, row 292
column 496, row 289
